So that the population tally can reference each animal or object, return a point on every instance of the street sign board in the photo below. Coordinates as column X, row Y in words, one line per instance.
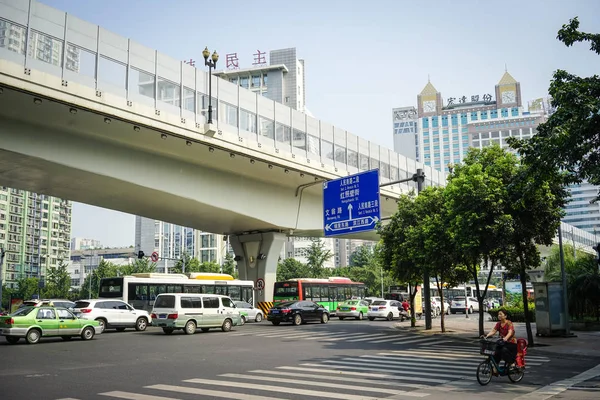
column 351, row 204
column 260, row 283
column 154, row 256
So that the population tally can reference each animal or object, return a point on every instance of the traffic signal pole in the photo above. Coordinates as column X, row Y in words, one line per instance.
column 419, row 177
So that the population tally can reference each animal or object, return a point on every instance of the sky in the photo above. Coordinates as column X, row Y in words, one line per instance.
column 360, row 62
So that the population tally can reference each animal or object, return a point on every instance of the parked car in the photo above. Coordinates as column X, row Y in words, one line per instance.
column 68, row 304
column 464, row 305
column 352, row 309
column 297, row 312
column 388, row 309
column 189, row 311
column 112, row 314
column 436, row 305
column 33, row 323
column 249, row 312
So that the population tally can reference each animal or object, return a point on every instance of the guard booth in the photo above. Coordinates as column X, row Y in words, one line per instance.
column 549, row 311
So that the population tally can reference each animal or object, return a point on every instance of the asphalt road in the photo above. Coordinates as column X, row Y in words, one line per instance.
column 348, row 360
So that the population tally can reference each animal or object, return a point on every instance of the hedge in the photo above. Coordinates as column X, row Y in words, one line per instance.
column 515, row 314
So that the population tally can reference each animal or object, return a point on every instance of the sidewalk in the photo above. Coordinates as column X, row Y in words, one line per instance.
column 467, row 329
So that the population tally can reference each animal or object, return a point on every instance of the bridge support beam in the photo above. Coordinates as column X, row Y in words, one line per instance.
column 257, row 256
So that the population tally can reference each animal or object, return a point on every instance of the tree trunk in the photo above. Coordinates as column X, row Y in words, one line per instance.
column 441, row 292
column 523, row 278
column 481, row 296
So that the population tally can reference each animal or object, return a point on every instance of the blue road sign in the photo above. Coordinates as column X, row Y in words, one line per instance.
column 351, row 204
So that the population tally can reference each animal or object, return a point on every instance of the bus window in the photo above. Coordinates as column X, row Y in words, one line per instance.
column 192, row 289
column 247, row 295
column 174, row 289
column 221, row 289
column 209, row 289
column 235, row 293
column 111, row 288
column 324, row 293
column 333, row 292
column 307, row 292
column 361, row 292
column 286, row 291
column 354, row 290
column 469, row 291
column 137, row 291
column 155, row 290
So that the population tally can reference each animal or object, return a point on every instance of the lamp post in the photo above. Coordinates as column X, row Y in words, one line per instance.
column 212, row 63
column 564, row 281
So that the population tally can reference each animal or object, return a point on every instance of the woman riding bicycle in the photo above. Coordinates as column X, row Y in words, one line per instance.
column 507, row 346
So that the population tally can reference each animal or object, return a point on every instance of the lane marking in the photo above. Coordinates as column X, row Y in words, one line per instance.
column 135, row 396
column 403, row 377
column 558, row 387
column 211, row 393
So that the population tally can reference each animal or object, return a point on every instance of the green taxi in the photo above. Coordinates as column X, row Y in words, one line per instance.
column 33, row 323
column 352, row 309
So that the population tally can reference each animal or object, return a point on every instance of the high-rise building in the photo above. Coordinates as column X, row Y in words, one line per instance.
column 344, row 248
column 282, row 80
column 83, row 262
column 406, row 133
column 172, row 241
column 297, row 248
column 35, row 232
column 84, row 244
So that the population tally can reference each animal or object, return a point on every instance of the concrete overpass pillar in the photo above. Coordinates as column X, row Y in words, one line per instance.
column 257, row 256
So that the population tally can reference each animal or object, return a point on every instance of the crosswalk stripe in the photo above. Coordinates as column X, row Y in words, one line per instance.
column 392, row 338
column 439, row 360
column 419, row 340
column 351, row 379
column 476, row 351
column 330, row 370
column 400, row 368
column 350, row 336
column 211, row 393
column 328, row 385
column 427, row 357
column 134, row 396
column 441, row 355
column 359, row 368
column 379, row 335
column 418, row 364
column 304, row 392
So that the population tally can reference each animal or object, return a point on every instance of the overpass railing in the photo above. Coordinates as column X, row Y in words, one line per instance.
column 51, row 41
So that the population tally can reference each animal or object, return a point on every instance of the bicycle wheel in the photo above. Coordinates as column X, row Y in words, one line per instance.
column 484, row 372
column 515, row 374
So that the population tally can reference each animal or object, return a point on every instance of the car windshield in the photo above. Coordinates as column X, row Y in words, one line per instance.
column 81, row 304
column 22, row 311
column 165, row 301
column 379, row 303
column 351, row 303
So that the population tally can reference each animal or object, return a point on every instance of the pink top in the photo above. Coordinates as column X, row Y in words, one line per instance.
column 503, row 330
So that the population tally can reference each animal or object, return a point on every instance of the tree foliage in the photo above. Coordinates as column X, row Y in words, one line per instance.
column 317, row 256
column 58, row 282
column 569, row 140
column 291, row 268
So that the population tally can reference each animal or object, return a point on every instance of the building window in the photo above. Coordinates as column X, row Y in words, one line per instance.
column 434, row 122
column 425, row 123
column 494, row 114
column 514, row 111
column 444, row 120
column 247, row 121
column 265, row 79
column 474, row 116
column 255, row 81
column 504, row 112
column 463, row 118
column 244, row 81
column 454, row 119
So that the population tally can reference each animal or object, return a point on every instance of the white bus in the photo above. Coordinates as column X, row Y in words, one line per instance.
column 140, row 290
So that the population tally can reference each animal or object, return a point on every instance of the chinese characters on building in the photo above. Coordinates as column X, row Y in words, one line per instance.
column 464, row 99
column 232, row 60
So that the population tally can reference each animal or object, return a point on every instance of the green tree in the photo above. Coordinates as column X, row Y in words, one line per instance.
column 480, row 222
column 138, row 266
column 366, row 268
column 26, row 288
column 362, row 255
column 432, row 244
column 58, row 282
column 291, row 268
column 192, row 264
column 394, row 250
column 317, row 256
column 230, row 266
column 569, row 140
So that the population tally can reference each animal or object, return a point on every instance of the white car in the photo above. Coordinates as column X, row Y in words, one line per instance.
column 249, row 312
column 436, row 305
column 112, row 314
column 464, row 305
column 388, row 309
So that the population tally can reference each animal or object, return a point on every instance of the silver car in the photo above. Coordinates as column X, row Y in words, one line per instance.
column 249, row 312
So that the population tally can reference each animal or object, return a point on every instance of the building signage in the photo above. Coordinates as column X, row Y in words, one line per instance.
column 233, row 62
column 405, row 114
column 351, row 204
column 474, row 99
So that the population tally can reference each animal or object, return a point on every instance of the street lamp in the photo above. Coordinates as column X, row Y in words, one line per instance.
column 450, row 167
column 212, row 63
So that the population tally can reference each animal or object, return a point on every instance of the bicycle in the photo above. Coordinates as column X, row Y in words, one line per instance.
column 485, row 368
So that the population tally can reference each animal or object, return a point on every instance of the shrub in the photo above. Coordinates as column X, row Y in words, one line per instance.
column 515, row 314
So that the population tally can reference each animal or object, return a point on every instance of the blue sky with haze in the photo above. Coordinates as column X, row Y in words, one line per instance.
column 361, row 61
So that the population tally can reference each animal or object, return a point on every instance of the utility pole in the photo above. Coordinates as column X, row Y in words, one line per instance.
column 419, row 177
column 2, row 253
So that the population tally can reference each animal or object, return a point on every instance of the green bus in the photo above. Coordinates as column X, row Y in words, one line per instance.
column 326, row 291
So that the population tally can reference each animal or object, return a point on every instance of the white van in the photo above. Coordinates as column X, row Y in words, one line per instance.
column 189, row 311
column 463, row 305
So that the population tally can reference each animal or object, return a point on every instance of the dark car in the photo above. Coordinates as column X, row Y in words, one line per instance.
column 297, row 312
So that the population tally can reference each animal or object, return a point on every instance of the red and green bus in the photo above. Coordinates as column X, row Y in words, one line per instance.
column 326, row 291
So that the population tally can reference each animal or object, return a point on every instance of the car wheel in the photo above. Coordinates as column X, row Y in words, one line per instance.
column 12, row 339
column 275, row 322
column 471, row 310
column 141, row 324
column 167, row 331
column 33, row 336
column 88, row 333
column 360, row 316
column 227, row 324
column 438, row 311
column 297, row 319
column 242, row 319
column 390, row 317
column 258, row 317
column 102, row 323
column 324, row 318
column 66, row 338
column 190, row 328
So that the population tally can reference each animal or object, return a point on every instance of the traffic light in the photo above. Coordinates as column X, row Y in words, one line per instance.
column 140, row 254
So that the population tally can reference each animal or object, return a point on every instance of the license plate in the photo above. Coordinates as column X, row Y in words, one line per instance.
column 375, row 308
column 274, row 311
column 162, row 315
column 344, row 308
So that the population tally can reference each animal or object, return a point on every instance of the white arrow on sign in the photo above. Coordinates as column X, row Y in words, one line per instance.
column 329, row 227
column 350, row 211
